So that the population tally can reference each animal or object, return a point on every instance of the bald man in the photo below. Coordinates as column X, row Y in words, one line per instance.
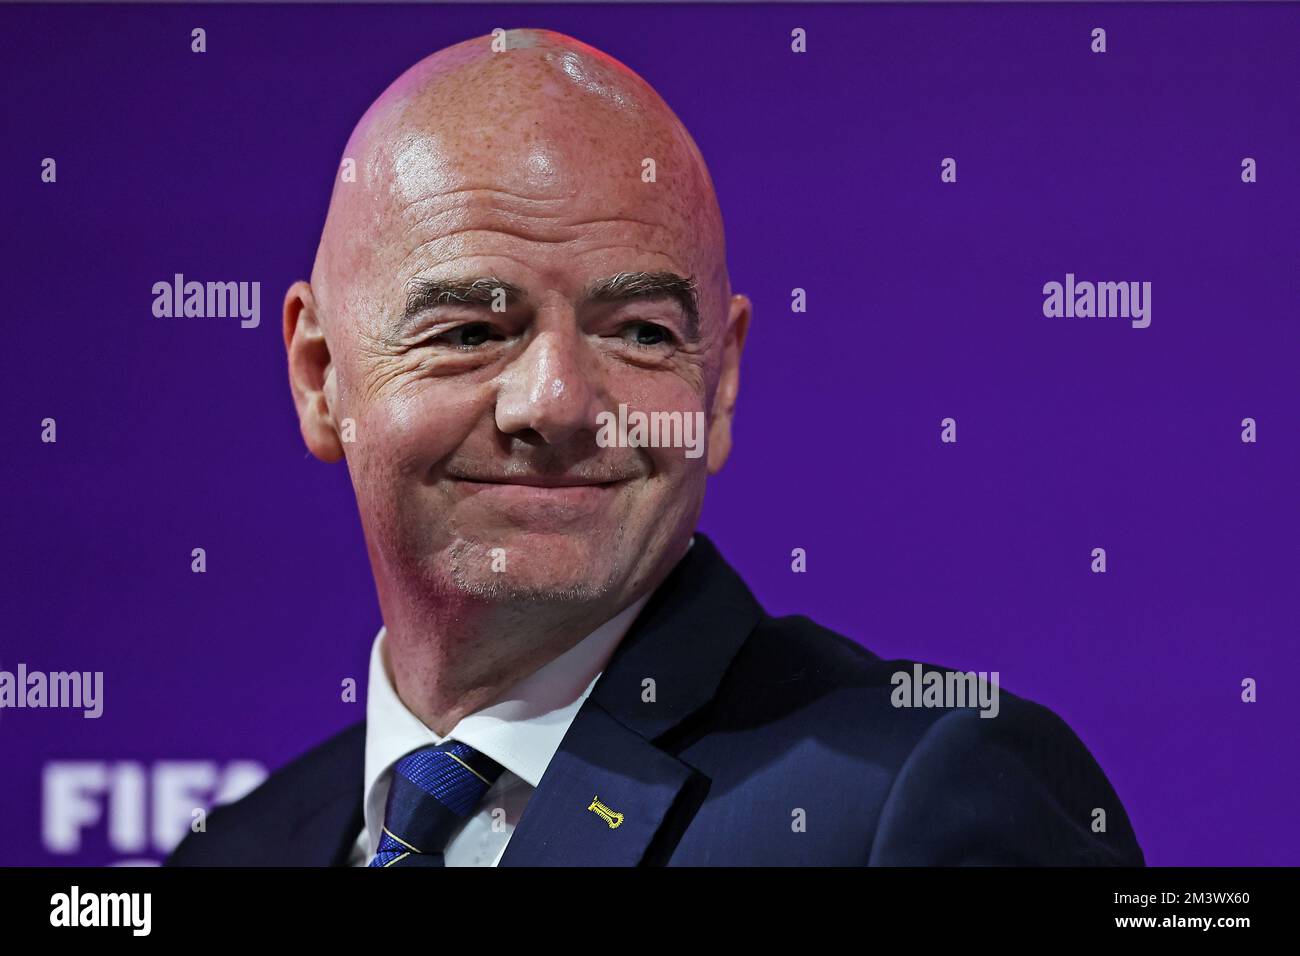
column 530, row 252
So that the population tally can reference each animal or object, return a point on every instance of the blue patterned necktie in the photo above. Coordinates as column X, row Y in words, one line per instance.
column 433, row 790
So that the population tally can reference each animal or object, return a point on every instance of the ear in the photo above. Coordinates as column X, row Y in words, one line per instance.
column 309, row 372
column 724, row 400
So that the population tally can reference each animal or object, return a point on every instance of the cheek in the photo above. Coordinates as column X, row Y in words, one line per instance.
column 409, row 431
column 668, row 391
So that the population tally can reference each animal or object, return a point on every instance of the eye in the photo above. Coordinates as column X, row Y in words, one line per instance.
column 647, row 334
column 468, row 336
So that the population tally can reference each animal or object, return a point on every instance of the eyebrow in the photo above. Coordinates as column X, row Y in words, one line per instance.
column 423, row 294
column 631, row 286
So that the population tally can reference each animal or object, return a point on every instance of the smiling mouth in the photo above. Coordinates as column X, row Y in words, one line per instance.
column 541, row 482
column 539, row 501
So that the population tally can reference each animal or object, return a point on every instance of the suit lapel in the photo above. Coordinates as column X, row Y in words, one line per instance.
column 603, row 798
column 614, row 765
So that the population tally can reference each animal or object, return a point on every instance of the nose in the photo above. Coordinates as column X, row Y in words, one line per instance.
column 552, row 389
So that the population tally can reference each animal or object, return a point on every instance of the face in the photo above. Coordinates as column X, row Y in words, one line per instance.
column 517, row 278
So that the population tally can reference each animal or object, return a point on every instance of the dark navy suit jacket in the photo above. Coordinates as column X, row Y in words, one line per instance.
column 770, row 741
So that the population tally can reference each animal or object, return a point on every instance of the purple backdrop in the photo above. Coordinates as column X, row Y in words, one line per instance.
column 924, row 301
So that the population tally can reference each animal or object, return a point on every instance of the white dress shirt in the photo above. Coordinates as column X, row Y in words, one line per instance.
column 521, row 731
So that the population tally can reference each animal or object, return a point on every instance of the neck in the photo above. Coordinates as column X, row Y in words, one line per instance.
column 451, row 661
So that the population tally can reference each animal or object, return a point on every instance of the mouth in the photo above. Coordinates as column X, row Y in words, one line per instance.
column 540, row 482
column 538, row 502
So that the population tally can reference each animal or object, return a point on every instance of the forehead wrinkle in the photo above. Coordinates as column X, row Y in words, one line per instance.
column 473, row 192
column 412, row 210
column 550, row 230
column 443, row 236
column 495, row 255
column 485, row 217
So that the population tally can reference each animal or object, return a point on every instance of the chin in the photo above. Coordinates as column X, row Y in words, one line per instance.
column 536, row 568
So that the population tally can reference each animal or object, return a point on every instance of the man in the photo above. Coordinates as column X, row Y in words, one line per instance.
column 566, row 673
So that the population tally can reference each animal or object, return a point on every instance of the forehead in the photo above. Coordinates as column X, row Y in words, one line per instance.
column 561, row 162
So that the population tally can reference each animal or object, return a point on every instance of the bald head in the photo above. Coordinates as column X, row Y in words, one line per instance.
column 528, row 125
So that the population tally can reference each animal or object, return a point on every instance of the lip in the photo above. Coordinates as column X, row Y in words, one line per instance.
column 554, row 503
column 541, row 482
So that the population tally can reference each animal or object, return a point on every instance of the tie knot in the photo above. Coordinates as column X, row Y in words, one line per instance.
column 433, row 790
column 454, row 773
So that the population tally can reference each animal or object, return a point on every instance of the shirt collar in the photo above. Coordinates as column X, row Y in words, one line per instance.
column 521, row 731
